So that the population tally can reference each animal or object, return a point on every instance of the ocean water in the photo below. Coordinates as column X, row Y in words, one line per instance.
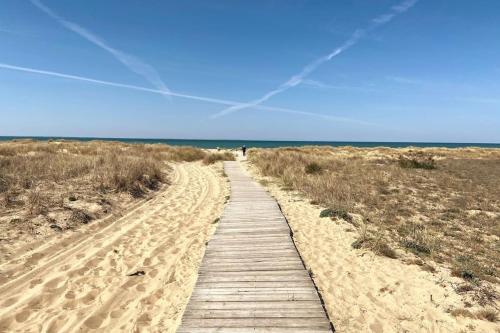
column 265, row 144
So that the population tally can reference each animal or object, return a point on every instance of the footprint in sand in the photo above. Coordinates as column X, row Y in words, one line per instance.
column 54, row 283
column 70, row 295
column 5, row 324
column 35, row 282
column 65, row 268
column 90, row 297
column 34, row 259
column 117, row 313
column 94, row 322
column 22, row 316
column 153, row 273
column 9, row 301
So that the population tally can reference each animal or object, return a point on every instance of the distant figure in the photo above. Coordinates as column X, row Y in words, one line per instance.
column 244, row 150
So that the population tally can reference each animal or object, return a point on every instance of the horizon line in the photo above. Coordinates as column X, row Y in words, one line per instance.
column 247, row 140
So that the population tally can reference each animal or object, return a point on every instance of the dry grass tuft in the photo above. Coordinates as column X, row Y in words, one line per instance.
column 184, row 154
column 488, row 314
column 336, row 213
column 313, row 168
column 417, row 160
column 485, row 314
column 462, row 313
column 212, row 158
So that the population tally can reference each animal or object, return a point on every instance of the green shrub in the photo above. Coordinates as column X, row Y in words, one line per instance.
column 340, row 213
column 313, row 168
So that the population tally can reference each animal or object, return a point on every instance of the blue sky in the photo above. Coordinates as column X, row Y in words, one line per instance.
column 400, row 70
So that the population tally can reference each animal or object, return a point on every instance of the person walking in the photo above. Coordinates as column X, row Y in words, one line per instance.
column 244, row 150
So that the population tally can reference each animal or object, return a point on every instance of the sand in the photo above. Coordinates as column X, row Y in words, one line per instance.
column 364, row 292
column 79, row 281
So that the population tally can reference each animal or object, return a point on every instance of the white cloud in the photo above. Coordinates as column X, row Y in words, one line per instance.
column 133, row 63
column 308, row 69
column 176, row 94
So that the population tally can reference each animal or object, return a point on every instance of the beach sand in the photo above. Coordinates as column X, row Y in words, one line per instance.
column 364, row 292
column 79, row 281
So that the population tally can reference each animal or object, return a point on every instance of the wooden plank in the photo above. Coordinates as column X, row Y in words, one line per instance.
column 255, row 313
column 261, row 260
column 252, row 330
column 251, row 278
column 255, row 305
column 259, row 322
column 255, row 284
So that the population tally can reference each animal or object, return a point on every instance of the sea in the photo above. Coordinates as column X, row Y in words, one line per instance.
column 263, row 144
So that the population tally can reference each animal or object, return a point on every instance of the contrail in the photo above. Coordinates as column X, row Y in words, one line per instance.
column 175, row 94
column 298, row 78
column 132, row 63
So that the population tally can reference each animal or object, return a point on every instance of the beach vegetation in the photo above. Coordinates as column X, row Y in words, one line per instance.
column 313, row 168
column 211, row 158
column 435, row 203
column 76, row 182
column 417, row 160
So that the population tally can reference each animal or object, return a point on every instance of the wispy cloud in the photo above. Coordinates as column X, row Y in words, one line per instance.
column 176, row 94
column 322, row 85
column 311, row 67
column 133, row 63
column 406, row 80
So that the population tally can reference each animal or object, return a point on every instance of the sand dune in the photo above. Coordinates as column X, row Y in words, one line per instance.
column 79, row 282
column 364, row 292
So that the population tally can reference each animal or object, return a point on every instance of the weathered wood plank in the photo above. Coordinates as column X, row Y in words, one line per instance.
column 256, row 313
column 259, row 322
column 252, row 330
column 255, row 284
column 251, row 278
column 255, row 305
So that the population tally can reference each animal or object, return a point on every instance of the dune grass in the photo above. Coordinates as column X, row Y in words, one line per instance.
column 216, row 157
column 59, row 183
column 440, row 205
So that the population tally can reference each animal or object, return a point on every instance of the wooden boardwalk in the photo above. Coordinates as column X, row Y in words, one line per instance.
column 252, row 278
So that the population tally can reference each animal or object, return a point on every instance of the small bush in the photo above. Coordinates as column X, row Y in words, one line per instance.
column 37, row 203
column 484, row 294
column 340, row 213
column 488, row 314
column 461, row 313
column 464, row 288
column 313, row 168
column 80, row 216
column 416, row 239
column 417, row 161
column 358, row 243
column 470, row 269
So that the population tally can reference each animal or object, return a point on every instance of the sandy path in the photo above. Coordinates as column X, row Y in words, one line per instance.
column 364, row 292
column 79, row 282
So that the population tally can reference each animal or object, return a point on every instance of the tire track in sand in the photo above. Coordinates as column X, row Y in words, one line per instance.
column 84, row 287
